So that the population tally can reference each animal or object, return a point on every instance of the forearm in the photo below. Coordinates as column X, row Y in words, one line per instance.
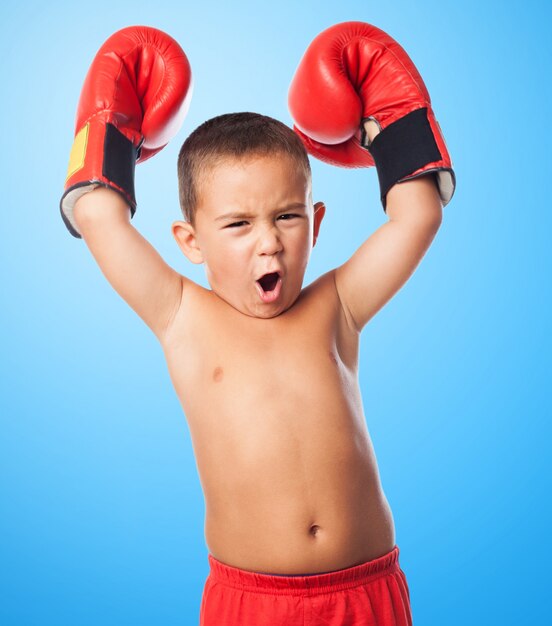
column 100, row 205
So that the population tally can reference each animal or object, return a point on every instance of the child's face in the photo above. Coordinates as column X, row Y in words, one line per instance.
column 274, row 227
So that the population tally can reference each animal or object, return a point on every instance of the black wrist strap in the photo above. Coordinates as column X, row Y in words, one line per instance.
column 118, row 165
column 119, row 161
column 402, row 148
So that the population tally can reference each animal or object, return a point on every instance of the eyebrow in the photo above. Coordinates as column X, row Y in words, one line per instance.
column 234, row 215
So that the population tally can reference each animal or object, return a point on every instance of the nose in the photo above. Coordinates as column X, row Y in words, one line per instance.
column 269, row 241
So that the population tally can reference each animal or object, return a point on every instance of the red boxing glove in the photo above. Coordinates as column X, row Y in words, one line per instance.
column 134, row 99
column 353, row 72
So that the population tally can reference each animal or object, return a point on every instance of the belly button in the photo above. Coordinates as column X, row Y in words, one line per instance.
column 314, row 529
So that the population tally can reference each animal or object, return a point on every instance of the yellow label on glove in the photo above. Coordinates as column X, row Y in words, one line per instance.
column 78, row 152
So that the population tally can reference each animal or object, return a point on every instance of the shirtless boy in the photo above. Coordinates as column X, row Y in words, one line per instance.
column 297, row 525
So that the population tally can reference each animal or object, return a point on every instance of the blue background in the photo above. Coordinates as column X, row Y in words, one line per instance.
column 101, row 507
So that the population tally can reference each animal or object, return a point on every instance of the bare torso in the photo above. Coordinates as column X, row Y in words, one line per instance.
column 288, row 471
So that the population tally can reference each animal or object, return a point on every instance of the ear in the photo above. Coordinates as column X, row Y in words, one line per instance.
column 319, row 212
column 186, row 238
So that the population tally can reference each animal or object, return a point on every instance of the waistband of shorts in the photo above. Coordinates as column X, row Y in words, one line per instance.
column 315, row 583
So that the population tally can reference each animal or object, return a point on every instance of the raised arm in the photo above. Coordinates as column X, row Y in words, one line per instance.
column 134, row 99
column 389, row 257
column 358, row 100
column 129, row 262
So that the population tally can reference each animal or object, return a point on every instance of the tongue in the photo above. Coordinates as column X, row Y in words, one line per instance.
column 268, row 281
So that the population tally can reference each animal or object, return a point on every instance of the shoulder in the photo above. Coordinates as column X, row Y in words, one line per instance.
column 191, row 291
column 327, row 285
column 326, row 302
column 323, row 284
column 191, row 297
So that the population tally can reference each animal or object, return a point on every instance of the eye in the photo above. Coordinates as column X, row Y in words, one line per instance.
column 289, row 215
column 238, row 224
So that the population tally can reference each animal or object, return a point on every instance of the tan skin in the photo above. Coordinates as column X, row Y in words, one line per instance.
column 270, row 390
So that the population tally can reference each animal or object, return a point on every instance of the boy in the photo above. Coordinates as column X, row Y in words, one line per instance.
column 297, row 525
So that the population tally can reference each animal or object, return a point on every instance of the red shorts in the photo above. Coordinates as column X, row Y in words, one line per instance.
column 374, row 593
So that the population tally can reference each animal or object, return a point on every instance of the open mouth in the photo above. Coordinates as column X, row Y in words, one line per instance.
column 268, row 281
column 269, row 287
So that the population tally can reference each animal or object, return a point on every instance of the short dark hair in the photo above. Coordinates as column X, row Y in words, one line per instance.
column 234, row 136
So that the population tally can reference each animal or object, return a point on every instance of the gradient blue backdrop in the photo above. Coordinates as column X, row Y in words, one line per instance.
column 102, row 512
